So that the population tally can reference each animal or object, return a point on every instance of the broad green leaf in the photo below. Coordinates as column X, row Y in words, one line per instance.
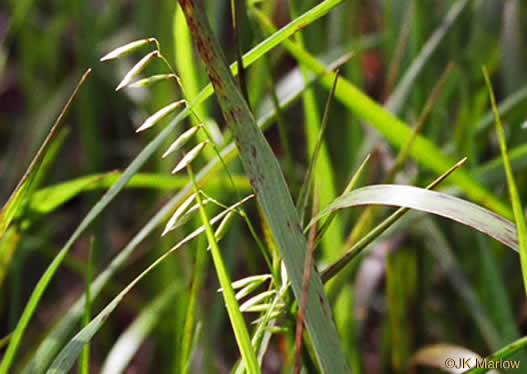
column 271, row 191
column 433, row 202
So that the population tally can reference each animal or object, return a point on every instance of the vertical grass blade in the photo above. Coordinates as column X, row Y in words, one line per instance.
column 233, row 308
column 517, row 208
column 271, row 191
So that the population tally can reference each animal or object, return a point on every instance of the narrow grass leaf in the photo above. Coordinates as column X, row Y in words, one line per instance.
column 233, row 309
column 137, row 69
column 433, row 202
column 198, row 276
column 502, row 354
column 304, row 194
column 189, row 157
column 513, row 189
column 348, row 188
column 126, row 49
column 358, row 247
column 84, row 364
column 160, row 114
column 182, row 140
column 23, row 189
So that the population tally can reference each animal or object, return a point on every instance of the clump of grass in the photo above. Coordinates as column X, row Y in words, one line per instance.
column 289, row 292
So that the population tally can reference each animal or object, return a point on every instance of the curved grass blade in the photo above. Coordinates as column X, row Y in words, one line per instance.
column 428, row 201
column 8, row 212
column 51, row 345
column 271, row 190
column 501, row 354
